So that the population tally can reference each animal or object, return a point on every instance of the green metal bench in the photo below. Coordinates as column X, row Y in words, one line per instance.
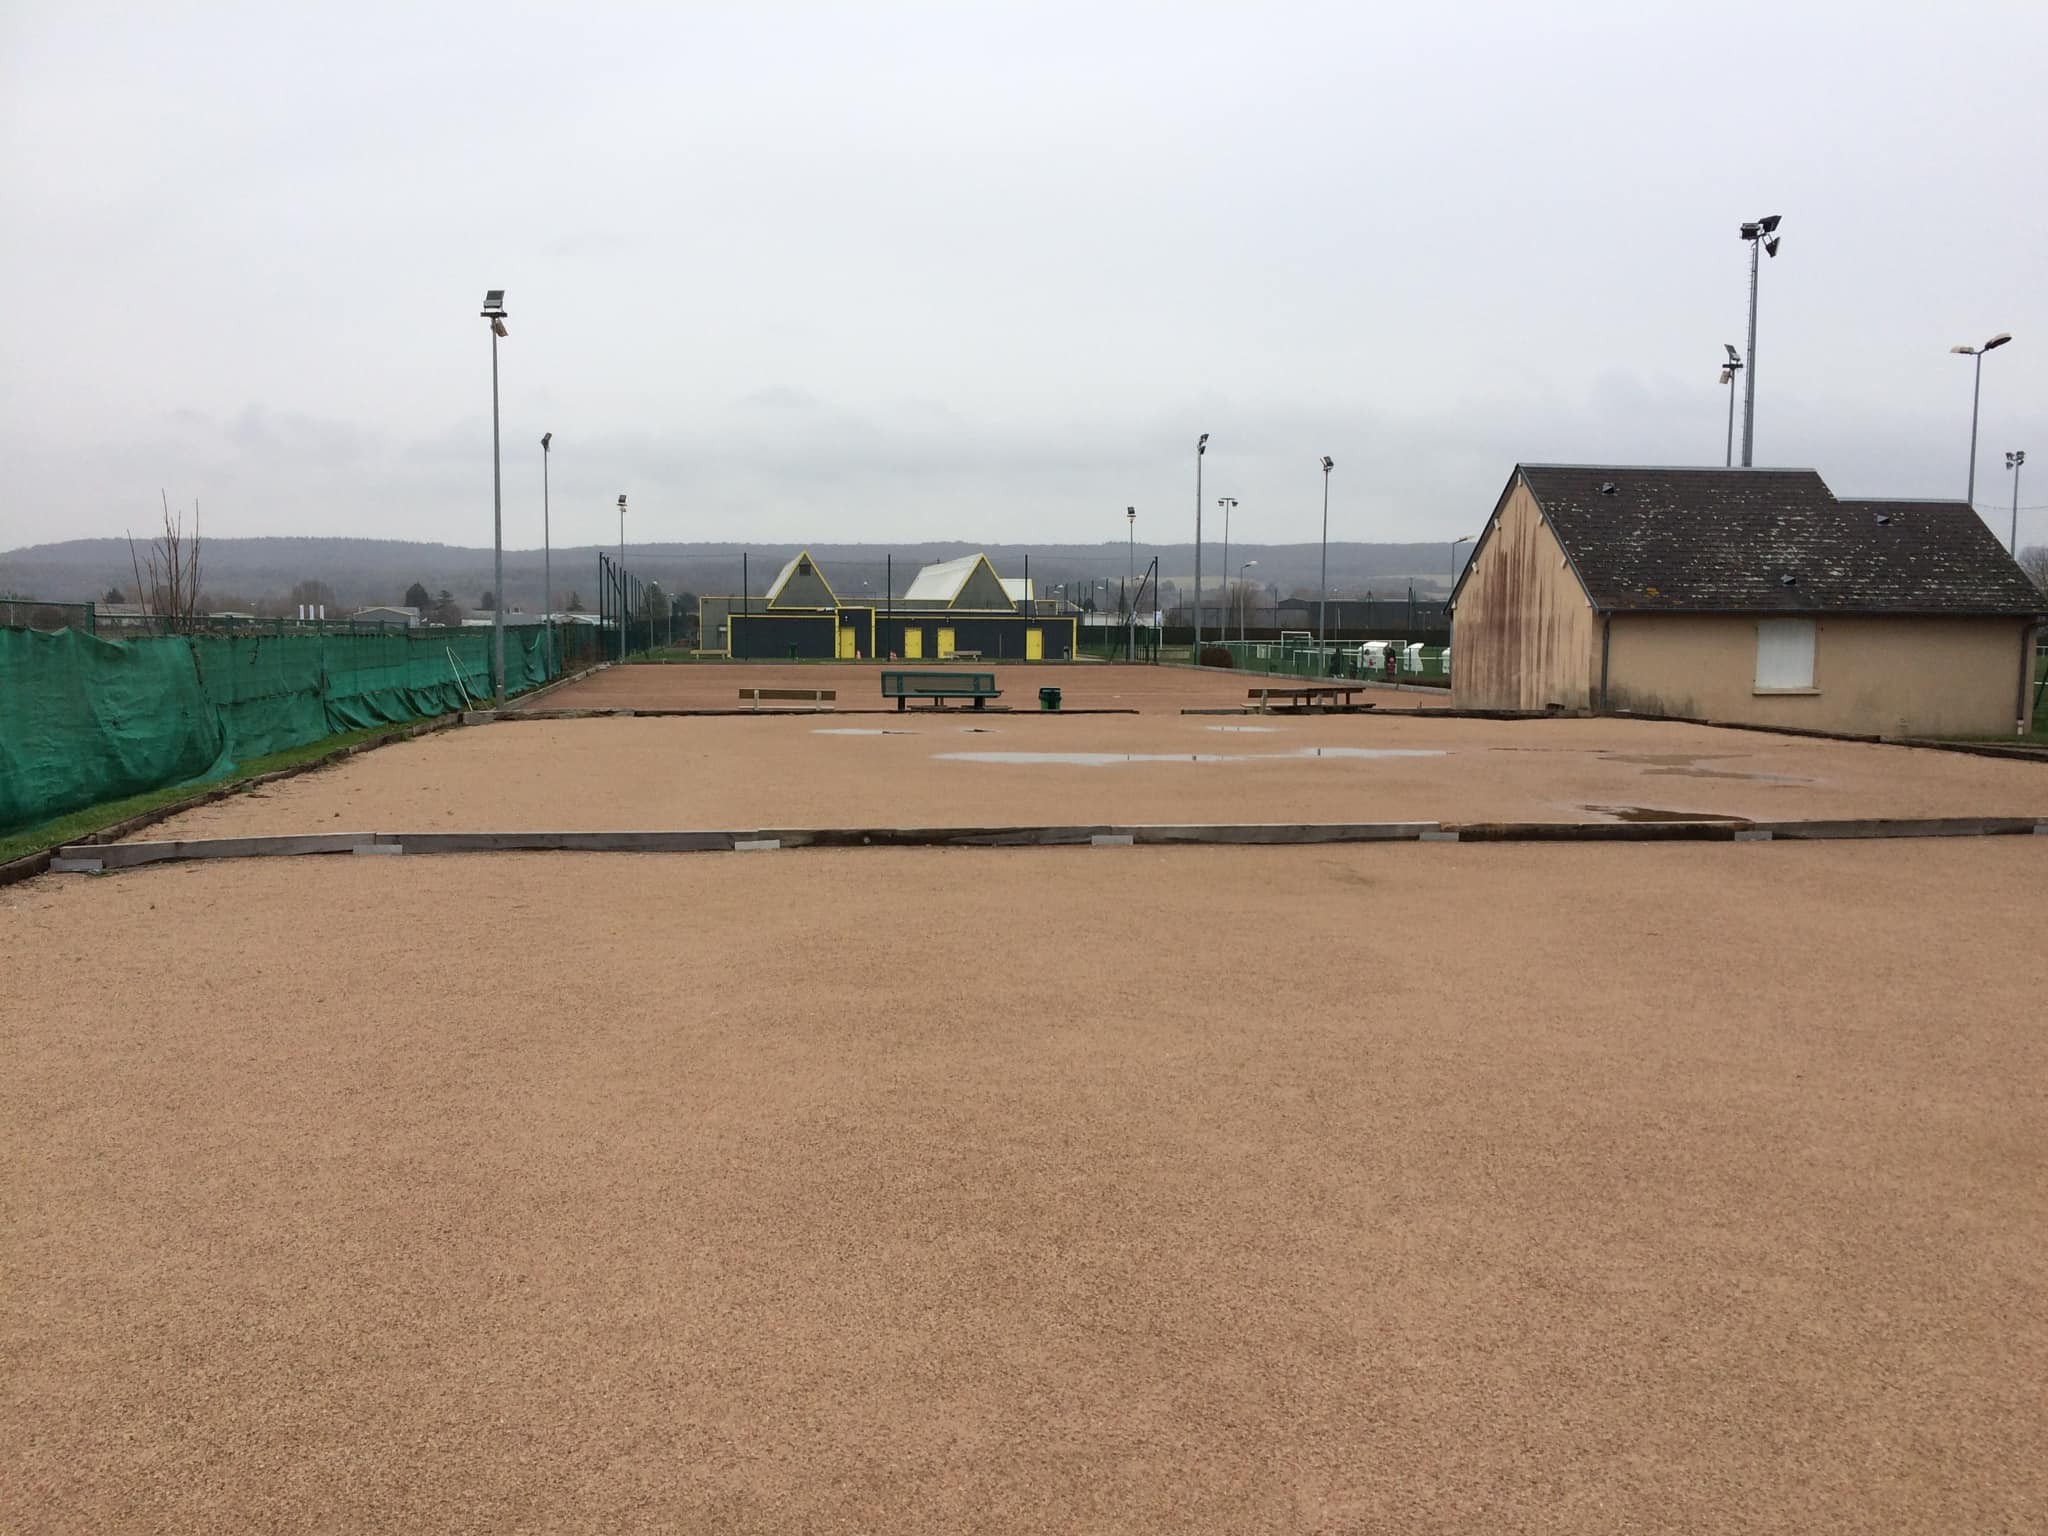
column 939, row 687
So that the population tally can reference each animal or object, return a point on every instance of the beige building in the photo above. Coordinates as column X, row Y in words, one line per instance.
column 1746, row 595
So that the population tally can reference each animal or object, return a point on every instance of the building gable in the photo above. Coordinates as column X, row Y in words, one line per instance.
column 801, row 584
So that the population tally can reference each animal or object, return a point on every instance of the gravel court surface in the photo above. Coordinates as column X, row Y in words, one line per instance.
column 1082, row 685
column 1607, row 1189
column 813, row 771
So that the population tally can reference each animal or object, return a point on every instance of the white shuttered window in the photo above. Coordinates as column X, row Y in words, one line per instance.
column 1784, row 654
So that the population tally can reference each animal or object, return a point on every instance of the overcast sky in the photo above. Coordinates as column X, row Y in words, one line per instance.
column 888, row 272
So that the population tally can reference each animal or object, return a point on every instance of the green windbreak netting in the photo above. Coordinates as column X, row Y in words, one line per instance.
column 84, row 720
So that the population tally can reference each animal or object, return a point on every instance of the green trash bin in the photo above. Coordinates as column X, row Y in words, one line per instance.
column 1048, row 698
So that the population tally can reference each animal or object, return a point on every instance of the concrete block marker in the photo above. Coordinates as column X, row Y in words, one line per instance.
column 63, row 866
column 1111, row 840
column 756, row 844
column 378, row 848
column 2041, row 829
column 479, row 716
column 1752, row 835
column 1439, row 835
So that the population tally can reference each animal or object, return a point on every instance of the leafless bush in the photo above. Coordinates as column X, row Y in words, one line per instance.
column 167, row 568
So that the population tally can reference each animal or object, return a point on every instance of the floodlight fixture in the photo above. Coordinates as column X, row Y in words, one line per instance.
column 1770, row 221
column 1734, row 357
column 1328, row 464
column 1202, row 444
column 2015, row 459
column 1771, row 245
column 545, row 439
column 494, row 303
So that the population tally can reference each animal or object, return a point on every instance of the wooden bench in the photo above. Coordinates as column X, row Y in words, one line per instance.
column 939, row 687
column 1334, row 695
column 967, row 656
column 760, row 696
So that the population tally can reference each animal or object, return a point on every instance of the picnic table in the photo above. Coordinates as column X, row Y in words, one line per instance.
column 1323, row 695
column 939, row 687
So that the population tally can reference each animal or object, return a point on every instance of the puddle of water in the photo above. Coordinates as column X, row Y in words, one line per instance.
column 1716, row 773
column 1106, row 759
column 1654, row 813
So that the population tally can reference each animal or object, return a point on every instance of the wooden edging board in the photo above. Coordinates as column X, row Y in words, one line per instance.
column 92, row 858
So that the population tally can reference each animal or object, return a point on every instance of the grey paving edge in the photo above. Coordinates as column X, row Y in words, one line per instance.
column 87, row 857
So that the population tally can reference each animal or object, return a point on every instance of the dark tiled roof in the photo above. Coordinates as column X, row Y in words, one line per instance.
column 1769, row 540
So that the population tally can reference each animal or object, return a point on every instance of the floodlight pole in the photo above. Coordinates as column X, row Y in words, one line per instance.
column 1731, row 369
column 1131, row 609
column 1226, row 503
column 625, row 614
column 547, row 557
column 1749, row 381
column 1244, row 605
column 1201, row 448
column 1976, row 391
column 2013, row 462
column 497, row 524
column 1323, row 606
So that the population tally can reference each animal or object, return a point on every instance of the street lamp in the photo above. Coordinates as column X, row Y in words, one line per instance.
column 2013, row 461
column 1226, row 503
column 1201, row 447
column 1244, row 601
column 494, row 311
column 1323, row 607
column 624, row 614
column 1461, row 539
column 1131, row 585
column 1760, row 233
column 1976, row 389
column 547, row 558
column 1728, row 371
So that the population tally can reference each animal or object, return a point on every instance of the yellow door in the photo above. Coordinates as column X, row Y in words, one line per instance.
column 913, row 645
column 1034, row 645
column 849, row 646
column 945, row 644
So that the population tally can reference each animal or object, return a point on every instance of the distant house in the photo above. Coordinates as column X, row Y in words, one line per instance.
column 387, row 613
column 1748, row 595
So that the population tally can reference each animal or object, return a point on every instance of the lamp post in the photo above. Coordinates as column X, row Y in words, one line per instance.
column 1201, row 447
column 547, row 557
column 1244, row 600
column 494, row 311
column 1131, row 585
column 625, row 612
column 1976, row 390
column 1226, row 503
column 1323, row 606
column 1728, row 371
column 2013, row 461
column 1461, row 539
column 1760, row 235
